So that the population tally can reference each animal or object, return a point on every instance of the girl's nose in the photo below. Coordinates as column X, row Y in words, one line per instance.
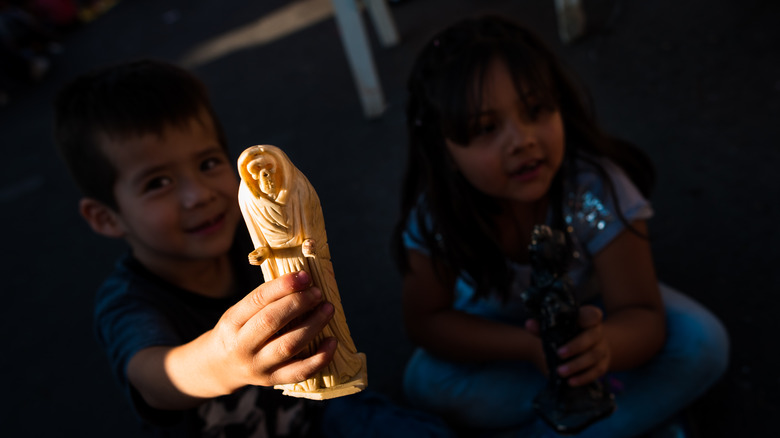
column 195, row 192
column 520, row 135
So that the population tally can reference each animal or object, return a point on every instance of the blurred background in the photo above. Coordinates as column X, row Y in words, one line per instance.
column 696, row 84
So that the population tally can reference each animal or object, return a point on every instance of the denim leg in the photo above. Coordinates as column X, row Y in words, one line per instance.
column 372, row 414
column 492, row 395
column 498, row 395
column 694, row 357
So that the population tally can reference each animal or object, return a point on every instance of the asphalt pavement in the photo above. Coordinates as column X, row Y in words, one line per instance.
column 696, row 84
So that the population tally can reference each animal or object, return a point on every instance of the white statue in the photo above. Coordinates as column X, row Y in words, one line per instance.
column 284, row 217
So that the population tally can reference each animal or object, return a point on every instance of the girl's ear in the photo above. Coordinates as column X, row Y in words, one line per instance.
column 102, row 219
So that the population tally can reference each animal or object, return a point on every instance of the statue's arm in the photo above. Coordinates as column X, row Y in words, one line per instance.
column 259, row 255
column 309, row 248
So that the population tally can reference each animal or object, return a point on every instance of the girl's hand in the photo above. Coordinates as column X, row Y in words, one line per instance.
column 588, row 351
column 538, row 359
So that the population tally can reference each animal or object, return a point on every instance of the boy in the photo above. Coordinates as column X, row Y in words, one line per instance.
column 193, row 351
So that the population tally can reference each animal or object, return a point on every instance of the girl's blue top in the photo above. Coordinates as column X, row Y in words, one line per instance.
column 590, row 213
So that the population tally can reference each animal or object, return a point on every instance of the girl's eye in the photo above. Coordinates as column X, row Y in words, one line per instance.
column 484, row 127
column 157, row 183
column 487, row 128
column 537, row 110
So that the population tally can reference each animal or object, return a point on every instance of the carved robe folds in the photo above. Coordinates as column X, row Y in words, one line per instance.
column 284, row 217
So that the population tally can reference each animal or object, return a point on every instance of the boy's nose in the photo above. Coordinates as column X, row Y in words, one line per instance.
column 195, row 193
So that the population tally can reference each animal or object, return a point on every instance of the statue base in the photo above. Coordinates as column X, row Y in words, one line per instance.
column 569, row 409
column 354, row 385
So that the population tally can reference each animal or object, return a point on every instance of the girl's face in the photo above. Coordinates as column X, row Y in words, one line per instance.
column 514, row 150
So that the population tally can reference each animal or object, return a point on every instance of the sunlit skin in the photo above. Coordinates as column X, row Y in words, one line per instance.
column 178, row 211
column 513, row 156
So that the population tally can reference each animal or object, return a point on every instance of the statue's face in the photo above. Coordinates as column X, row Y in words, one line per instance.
column 265, row 180
column 263, row 169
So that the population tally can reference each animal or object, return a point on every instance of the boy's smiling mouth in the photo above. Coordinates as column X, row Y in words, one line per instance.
column 207, row 227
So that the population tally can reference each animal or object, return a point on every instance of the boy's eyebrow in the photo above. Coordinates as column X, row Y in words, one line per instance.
column 209, row 150
column 139, row 177
column 145, row 173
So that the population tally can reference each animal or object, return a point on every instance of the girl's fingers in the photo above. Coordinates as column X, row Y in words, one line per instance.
column 586, row 377
column 590, row 316
column 532, row 326
column 587, row 366
column 581, row 343
column 580, row 363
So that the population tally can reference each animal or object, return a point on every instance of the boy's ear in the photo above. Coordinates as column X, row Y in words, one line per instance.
column 101, row 218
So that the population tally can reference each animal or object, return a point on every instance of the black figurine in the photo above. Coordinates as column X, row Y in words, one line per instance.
column 565, row 408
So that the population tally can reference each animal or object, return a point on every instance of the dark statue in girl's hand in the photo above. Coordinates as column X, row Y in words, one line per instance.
column 549, row 299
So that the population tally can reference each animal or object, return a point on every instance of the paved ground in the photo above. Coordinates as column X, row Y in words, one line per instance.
column 696, row 84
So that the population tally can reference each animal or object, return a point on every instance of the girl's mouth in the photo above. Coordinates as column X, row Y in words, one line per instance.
column 209, row 226
column 527, row 171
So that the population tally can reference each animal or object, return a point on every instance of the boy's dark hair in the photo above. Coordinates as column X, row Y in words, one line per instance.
column 125, row 100
column 457, row 223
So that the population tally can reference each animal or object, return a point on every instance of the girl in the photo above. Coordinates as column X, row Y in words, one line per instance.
column 501, row 140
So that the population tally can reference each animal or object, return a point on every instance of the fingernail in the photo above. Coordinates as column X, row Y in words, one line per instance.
column 316, row 292
column 563, row 369
column 302, row 276
column 326, row 308
column 562, row 351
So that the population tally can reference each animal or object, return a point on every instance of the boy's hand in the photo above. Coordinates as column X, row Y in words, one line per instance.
column 588, row 351
column 258, row 339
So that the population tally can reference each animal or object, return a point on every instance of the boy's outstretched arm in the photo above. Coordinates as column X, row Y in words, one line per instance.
column 244, row 348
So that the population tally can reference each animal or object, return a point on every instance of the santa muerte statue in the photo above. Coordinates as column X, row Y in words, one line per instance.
column 567, row 409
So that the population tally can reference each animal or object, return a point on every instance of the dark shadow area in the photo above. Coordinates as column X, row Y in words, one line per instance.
column 695, row 84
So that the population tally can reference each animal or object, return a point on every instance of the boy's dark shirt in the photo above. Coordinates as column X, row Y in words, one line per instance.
column 136, row 309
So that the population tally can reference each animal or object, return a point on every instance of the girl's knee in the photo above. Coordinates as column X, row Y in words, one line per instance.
column 702, row 339
column 471, row 395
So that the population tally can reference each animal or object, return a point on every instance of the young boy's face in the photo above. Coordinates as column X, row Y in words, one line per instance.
column 176, row 194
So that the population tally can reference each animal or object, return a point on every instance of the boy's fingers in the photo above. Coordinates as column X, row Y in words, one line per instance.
column 298, row 370
column 296, row 337
column 272, row 318
column 266, row 294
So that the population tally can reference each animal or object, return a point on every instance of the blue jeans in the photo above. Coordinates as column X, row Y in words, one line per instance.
column 497, row 396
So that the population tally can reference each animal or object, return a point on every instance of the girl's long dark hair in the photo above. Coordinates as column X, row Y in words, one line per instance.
column 456, row 223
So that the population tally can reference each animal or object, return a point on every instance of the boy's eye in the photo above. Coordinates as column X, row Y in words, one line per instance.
column 211, row 163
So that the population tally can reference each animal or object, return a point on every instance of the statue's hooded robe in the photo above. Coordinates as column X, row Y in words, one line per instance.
column 281, row 225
